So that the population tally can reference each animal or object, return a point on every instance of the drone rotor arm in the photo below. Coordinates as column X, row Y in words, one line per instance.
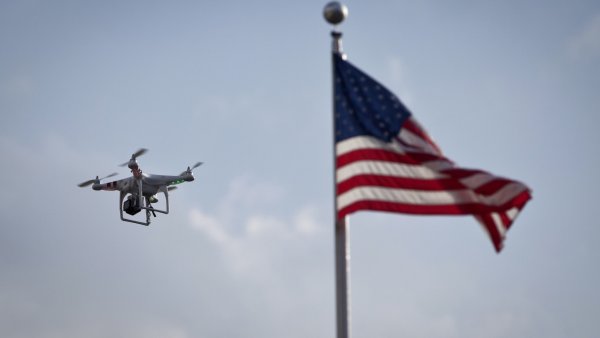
column 94, row 180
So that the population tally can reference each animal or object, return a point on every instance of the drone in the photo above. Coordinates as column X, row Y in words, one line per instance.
column 138, row 192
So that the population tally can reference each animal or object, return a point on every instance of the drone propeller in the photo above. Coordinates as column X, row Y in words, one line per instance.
column 171, row 188
column 189, row 169
column 135, row 155
column 86, row 183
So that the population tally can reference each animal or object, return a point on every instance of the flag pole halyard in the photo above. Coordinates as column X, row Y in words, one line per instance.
column 335, row 13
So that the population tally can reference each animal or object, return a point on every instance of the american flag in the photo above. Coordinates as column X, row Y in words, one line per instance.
column 385, row 161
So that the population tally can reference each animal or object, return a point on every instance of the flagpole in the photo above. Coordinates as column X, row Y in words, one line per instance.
column 342, row 236
column 335, row 13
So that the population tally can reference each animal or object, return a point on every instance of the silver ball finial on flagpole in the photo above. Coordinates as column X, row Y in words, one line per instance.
column 335, row 12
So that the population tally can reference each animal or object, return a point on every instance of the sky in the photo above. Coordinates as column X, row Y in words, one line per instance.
column 510, row 87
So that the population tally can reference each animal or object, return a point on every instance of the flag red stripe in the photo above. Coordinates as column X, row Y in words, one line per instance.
column 384, row 155
column 490, row 226
column 398, row 182
column 505, row 220
column 491, row 187
column 463, row 173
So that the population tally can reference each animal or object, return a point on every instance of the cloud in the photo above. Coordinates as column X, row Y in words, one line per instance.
column 276, row 258
column 586, row 43
column 209, row 226
column 255, row 238
column 305, row 221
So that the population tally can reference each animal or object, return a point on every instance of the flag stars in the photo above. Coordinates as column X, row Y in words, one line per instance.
column 364, row 107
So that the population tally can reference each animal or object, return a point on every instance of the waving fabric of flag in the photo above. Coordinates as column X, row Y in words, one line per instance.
column 385, row 161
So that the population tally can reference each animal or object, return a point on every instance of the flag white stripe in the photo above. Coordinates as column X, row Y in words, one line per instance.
column 429, row 170
column 366, row 142
column 416, row 141
column 420, row 197
column 388, row 169
column 477, row 180
column 512, row 213
column 498, row 223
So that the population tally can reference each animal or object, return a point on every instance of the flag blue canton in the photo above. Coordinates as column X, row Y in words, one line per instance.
column 363, row 106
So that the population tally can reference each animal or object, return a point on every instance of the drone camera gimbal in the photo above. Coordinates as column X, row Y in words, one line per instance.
column 136, row 203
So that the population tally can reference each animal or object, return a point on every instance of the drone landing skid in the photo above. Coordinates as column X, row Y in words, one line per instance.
column 148, row 207
column 141, row 203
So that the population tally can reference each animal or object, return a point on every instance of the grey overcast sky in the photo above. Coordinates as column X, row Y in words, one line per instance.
column 511, row 87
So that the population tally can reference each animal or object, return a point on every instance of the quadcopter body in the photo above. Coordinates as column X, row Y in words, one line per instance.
column 138, row 192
